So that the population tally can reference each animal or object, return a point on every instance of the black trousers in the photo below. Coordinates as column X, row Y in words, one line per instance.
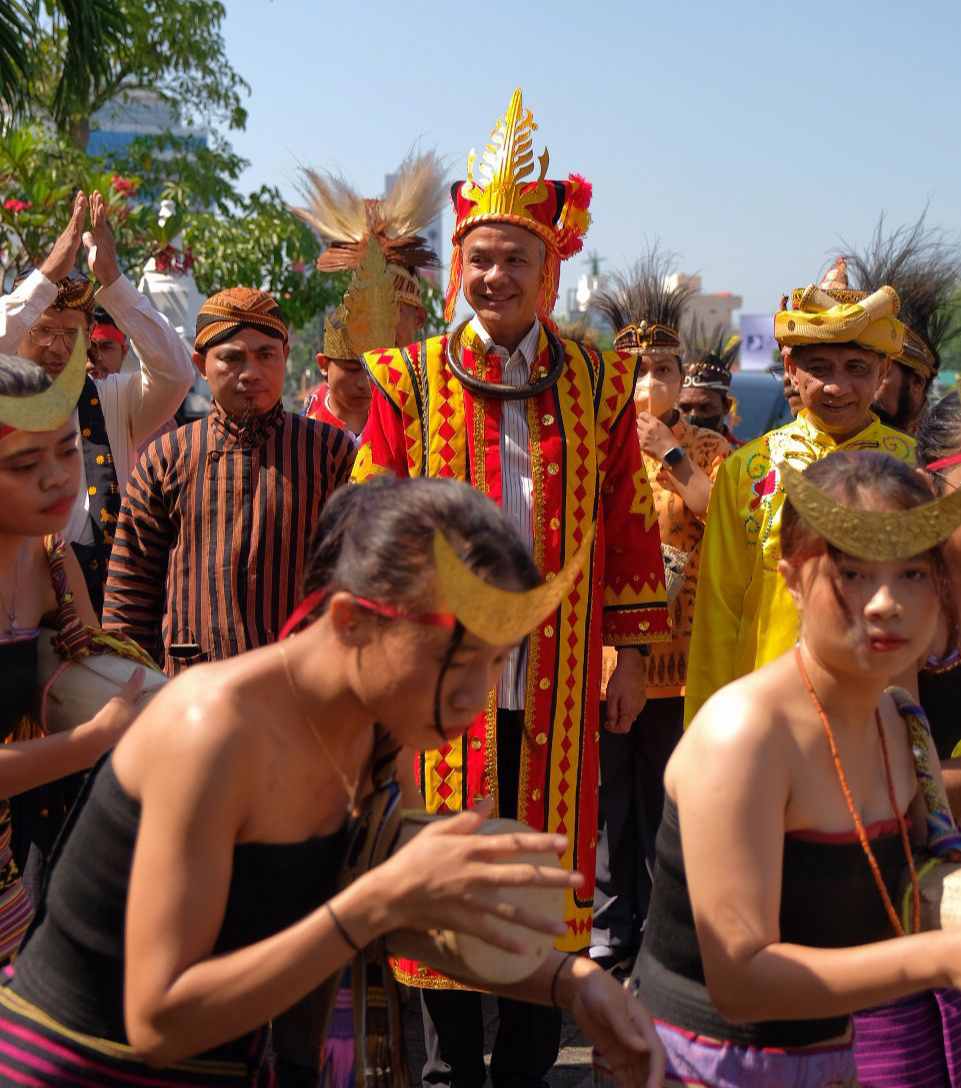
column 630, row 806
column 528, row 1036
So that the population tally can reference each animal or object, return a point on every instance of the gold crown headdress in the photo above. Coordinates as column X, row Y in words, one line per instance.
column 877, row 535
column 503, row 191
column 501, row 617
column 346, row 221
column 52, row 408
column 367, row 317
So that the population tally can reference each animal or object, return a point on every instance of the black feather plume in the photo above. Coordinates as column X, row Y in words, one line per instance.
column 924, row 267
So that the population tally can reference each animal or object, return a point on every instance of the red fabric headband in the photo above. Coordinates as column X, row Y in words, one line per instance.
column 313, row 600
column 107, row 332
column 945, row 462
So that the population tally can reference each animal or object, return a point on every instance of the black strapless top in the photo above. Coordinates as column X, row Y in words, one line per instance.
column 18, row 682
column 940, row 695
column 828, row 900
column 72, row 966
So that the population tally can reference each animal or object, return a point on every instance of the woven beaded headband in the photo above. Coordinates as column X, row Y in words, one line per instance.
column 875, row 535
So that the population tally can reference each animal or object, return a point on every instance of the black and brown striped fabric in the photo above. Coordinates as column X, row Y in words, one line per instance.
column 215, row 530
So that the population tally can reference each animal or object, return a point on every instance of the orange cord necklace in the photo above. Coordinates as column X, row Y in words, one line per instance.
column 855, row 815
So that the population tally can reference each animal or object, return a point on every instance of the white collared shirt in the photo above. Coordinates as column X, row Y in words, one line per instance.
column 134, row 404
column 516, row 482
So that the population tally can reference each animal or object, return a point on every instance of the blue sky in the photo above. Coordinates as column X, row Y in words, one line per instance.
column 749, row 137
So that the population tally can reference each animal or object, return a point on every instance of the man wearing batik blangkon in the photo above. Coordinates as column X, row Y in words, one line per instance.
column 545, row 427
column 218, row 514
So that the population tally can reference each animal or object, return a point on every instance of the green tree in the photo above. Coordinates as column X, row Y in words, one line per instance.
column 85, row 54
column 228, row 238
column 87, row 32
column 951, row 355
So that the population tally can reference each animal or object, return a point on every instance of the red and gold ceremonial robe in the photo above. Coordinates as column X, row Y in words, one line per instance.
column 586, row 470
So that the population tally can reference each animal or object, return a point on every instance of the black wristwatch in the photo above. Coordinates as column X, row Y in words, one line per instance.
column 674, row 456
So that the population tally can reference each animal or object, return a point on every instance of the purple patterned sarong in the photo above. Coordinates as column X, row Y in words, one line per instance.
column 694, row 1061
column 911, row 1043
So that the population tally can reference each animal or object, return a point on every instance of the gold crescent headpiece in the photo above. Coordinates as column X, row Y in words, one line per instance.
column 52, row 408
column 877, row 535
column 498, row 616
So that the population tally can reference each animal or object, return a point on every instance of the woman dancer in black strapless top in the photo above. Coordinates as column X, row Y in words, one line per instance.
column 197, row 897
column 776, row 912
column 40, row 580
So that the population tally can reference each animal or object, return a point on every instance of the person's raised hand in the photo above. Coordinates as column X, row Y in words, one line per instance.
column 617, row 1024
column 100, row 243
column 63, row 256
column 654, row 436
column 447, row 877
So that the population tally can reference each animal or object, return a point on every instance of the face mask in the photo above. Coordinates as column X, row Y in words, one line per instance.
column 709, row 423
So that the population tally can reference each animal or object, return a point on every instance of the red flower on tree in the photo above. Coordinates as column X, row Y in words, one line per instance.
column 16, row 206
column 123, row 186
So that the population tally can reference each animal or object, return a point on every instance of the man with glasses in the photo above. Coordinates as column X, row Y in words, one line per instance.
column 41, row 320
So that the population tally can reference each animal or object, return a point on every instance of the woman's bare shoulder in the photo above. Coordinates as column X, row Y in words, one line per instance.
column 743, row 721
column 199, row 723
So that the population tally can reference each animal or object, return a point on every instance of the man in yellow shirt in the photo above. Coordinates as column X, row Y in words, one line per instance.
column 840, row 343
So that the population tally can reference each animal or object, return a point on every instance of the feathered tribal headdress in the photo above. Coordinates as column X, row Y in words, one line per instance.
column 709, row 357
column 503, row 191
column 644, row 307
column 925, row 271
column 346, row 220
column 367, row 317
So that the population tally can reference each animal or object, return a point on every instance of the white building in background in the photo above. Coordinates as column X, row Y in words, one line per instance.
column 707, row 311
column 115, row 126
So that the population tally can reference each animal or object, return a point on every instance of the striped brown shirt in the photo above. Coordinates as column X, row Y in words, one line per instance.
column 215, row 530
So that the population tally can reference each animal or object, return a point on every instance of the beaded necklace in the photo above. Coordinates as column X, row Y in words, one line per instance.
column 855, row 815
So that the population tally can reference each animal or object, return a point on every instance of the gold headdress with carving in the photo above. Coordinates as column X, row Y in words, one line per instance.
column 346, row 221
column 503, row 191
column 52, row 408
column 817, row 317
column 499, row 616
column 876, row 535
column 367, row 317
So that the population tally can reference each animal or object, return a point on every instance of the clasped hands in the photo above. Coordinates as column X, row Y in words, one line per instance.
column 98, row 240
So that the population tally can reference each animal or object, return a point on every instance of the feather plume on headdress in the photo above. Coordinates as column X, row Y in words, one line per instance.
column 709, row 356
column 644, row 307
column 925, row 270
column 345, row 220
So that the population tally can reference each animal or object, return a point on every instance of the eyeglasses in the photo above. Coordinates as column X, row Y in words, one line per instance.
column 44, row 336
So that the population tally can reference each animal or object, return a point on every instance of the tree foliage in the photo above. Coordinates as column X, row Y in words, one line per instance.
column 65, row 59
column 228, row 238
